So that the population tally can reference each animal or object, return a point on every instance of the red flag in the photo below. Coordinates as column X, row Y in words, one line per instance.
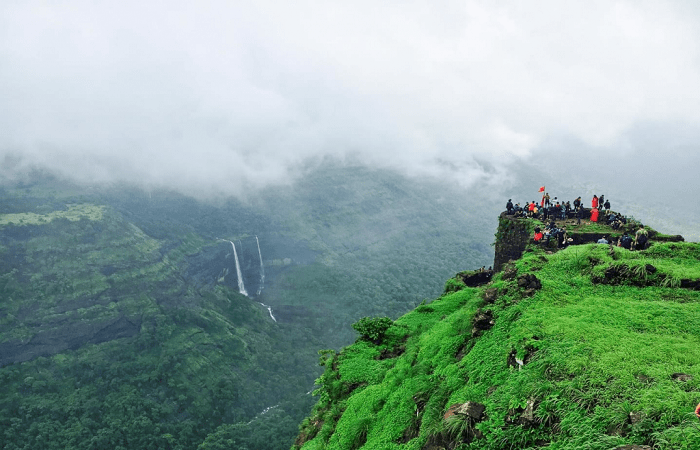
column 541, row 189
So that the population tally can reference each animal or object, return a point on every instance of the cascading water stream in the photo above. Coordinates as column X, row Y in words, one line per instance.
column 269, row 309
column 241, row 286
column 262, row 270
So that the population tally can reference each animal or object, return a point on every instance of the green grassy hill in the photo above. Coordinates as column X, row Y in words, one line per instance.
column 593, row 347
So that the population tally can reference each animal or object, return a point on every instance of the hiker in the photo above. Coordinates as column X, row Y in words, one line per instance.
column 640, row 238
column 546, row 199
column 601, row 200
column 625, row 241
column 607, row 205
column 562, row 240
column 594, row 215
column 602, row 241
column 538, row 235
column 509, row 207
column 580, row 214
column 594, row 202
column 577, row 203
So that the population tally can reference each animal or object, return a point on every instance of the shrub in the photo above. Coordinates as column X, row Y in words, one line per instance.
column 372, row 329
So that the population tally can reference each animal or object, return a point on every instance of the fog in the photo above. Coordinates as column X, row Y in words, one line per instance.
column 219, row 97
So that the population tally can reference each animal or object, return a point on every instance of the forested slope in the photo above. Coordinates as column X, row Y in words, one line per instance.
column 122, row 325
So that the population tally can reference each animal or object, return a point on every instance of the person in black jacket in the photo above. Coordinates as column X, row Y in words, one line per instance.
column 509, row 206
column 581, row 213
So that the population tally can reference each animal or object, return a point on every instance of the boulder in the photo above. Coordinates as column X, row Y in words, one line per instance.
column 473, row 410
column 483, row 320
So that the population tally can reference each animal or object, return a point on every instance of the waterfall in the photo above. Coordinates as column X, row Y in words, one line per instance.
column 269, row 309
column 241, row 286
column 262, row 271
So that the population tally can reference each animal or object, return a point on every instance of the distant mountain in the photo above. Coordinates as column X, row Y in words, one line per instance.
column 125, row 323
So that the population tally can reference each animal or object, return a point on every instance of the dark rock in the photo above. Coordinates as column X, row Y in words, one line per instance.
column 475, row 278
column 681, row 377
column 529, row 281
column 691, row 284
column 473, row 410
column 523, row 416
column 490, row 295
column 510, row 272
column 636, row 416
column 483, row 320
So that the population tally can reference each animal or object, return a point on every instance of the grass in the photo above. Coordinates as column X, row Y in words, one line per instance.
column 596, row 355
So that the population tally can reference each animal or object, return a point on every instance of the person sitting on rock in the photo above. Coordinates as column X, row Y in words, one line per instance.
column 594, row 215
column 517, row 210
column 538, row 235
column 602, row 240
column 625, row 241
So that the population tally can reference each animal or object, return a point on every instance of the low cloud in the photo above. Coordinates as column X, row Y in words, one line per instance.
column 221, row 97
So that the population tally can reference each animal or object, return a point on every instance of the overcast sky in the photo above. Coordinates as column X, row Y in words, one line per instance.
column 221, row 96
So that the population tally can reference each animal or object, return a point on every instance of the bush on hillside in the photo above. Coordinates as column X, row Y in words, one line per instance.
column 372, row 329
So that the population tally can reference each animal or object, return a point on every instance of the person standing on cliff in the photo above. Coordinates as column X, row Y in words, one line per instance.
column 594, row 202
column 509, row 206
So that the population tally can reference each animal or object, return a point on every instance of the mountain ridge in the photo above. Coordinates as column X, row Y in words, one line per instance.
column 592, row 346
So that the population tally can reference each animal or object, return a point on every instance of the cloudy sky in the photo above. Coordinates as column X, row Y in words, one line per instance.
column 221, row 96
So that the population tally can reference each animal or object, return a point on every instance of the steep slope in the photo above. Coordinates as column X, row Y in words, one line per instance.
column 593, row 346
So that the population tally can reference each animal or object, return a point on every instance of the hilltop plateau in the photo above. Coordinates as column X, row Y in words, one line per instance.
column 590, row 346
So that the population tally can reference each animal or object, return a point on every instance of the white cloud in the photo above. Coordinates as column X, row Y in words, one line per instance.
column 226, row 96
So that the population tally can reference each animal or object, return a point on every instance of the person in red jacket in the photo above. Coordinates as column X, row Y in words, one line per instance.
column 594, row 215
column 594, row 202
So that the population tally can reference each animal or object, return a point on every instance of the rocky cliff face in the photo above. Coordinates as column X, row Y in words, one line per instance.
column 511, row 239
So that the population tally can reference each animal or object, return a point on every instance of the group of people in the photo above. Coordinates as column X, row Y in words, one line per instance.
column 639, row 242
column 552, row 231
column 559, row 210
column 549, row 209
